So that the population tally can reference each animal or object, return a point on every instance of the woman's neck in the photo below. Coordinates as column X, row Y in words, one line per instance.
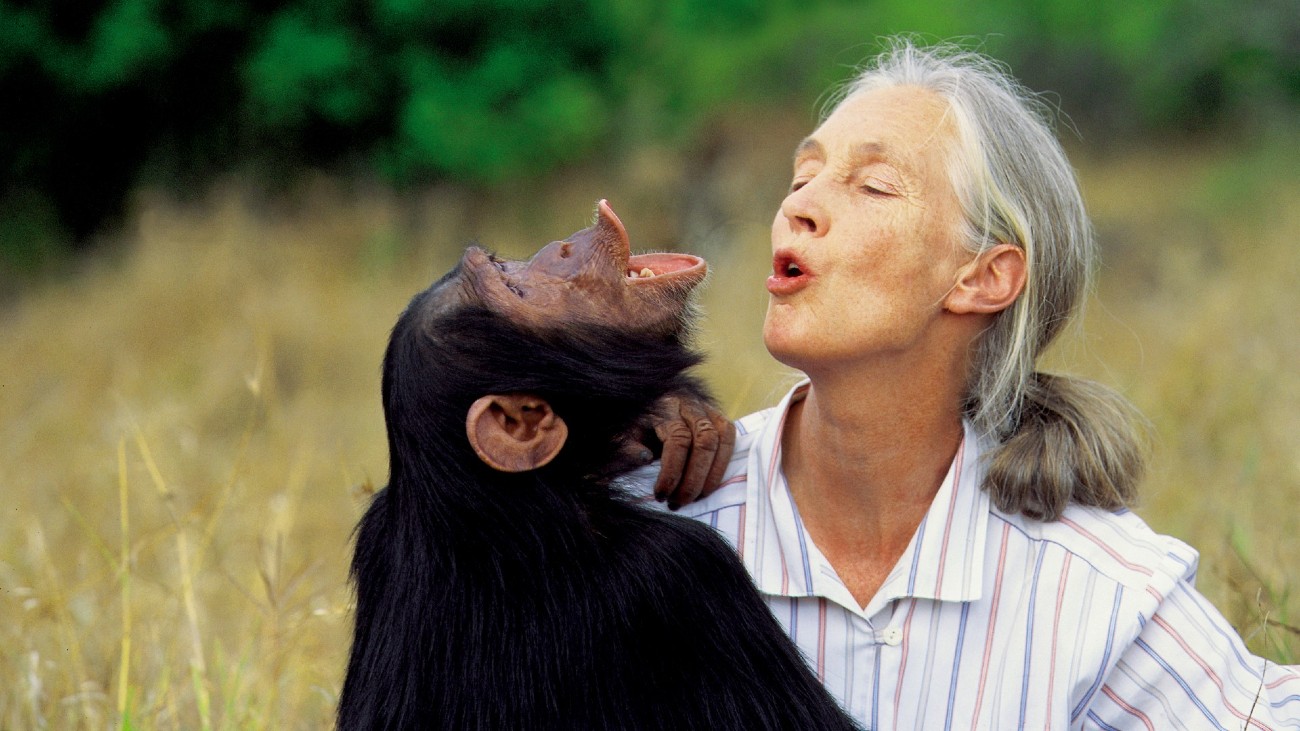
column 864, row 457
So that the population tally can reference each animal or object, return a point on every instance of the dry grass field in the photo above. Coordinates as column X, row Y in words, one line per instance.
column 190, row 421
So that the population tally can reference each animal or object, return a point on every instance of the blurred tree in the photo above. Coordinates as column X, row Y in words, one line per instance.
column 1166, row 66
column 105, row 94
column 97, row 93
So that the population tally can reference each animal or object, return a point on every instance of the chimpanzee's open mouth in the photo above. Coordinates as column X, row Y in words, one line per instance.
column 688, row 268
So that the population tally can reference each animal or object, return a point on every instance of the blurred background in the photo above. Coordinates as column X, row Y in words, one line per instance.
column 212, row 212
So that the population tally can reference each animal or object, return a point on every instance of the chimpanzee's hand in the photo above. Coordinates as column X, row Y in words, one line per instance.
column 696, row 441
column 693, row 440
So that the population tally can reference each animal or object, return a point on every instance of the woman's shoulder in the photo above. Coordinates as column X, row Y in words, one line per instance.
column 751, row 428
column 1117, row 545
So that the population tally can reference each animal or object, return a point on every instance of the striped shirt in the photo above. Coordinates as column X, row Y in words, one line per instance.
column 997, row 621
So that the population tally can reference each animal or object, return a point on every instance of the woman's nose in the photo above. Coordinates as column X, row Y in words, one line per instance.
column 804, row 212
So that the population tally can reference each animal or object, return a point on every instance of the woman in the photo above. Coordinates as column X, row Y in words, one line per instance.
column 941, row 528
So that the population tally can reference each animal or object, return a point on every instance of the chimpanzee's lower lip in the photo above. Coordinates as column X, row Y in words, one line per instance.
column 650, row 266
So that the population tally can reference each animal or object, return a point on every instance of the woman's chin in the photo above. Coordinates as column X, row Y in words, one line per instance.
column 785, row 348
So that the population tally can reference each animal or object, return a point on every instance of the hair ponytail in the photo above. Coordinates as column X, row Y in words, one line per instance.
column 1075, row 441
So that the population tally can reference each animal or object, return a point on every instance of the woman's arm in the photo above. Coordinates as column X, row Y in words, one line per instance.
column 1188, row 668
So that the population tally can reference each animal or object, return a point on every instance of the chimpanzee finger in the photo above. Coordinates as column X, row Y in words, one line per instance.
column 631, row 454
column 677, row 441
column 722, row 457
column 704, row 447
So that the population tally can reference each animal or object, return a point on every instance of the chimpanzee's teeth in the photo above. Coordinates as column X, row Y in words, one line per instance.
column 647, row 273
column 644, row 273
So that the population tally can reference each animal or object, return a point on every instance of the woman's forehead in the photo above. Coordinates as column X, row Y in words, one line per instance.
column 907, row 127
column 895, row 120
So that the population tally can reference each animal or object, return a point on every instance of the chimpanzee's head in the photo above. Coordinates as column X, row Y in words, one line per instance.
column 531, row 361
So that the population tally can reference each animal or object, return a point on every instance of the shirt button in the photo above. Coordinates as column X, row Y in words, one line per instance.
column 892, row 636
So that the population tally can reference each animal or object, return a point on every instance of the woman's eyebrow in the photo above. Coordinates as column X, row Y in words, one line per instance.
column 809, row 148
column 865, row 152
column 859, row 153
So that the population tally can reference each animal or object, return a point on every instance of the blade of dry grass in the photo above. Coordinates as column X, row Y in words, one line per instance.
column 75, row 670
column 124, row 518
column 198, row 665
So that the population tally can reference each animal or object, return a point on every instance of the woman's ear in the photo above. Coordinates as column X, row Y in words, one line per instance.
column 514, row 432
column 990, row 283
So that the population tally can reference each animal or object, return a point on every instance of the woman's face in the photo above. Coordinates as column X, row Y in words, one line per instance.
column 866, row 244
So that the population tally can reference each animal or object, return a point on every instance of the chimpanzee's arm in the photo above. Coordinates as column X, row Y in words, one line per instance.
column 693, row 440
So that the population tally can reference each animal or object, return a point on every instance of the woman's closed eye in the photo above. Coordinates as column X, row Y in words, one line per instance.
column 878, row 186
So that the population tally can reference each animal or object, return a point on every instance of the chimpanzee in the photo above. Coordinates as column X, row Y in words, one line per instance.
column 504, row 580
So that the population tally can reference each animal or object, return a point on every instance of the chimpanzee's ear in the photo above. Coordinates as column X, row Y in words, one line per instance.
column 515, row 432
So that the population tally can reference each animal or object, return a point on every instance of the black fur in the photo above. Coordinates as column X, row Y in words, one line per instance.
column 548, row 599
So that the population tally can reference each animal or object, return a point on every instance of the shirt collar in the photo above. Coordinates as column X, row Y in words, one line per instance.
column 943, row 561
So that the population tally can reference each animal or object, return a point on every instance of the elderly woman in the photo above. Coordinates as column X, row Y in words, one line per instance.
column 939, row 527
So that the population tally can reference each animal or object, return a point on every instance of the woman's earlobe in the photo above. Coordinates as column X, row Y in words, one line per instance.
column 990, row 283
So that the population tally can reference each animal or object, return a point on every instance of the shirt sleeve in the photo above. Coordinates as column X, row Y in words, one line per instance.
column 1189, row 669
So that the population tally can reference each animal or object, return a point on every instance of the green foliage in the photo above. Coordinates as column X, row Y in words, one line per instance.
column 1160, row 65
column 514, row 105
column 30, row 237
column 127, row 39
column 477, row 91
column 299, row 70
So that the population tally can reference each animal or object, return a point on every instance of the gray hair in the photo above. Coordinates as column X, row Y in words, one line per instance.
column 1058, row 439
